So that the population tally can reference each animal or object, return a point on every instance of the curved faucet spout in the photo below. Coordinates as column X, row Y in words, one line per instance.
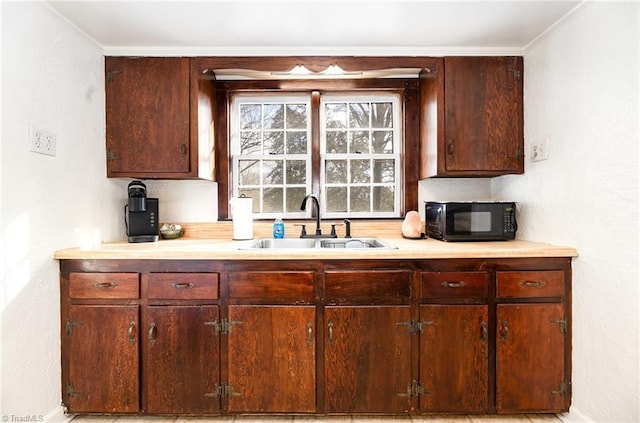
column 303, row 207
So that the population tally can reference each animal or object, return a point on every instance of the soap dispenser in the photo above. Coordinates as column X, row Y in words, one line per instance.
column 278, row 228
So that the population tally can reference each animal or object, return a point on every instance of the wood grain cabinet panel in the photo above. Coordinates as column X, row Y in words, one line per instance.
column 454, row 358
column 183, row 286
column 377, row 285
column 549, row 283
column 530, row 358
column 181, row 359
column 272, row 359
column 472, row 117
column 454, row 284
column 282, row 285
column 367, row 359
column 104, row 285
column 103, row 347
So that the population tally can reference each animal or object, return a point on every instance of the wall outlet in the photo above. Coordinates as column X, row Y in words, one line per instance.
column 42, row 142
column 540, row 151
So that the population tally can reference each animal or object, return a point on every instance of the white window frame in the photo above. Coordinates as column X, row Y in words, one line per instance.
column 234, row 144
column 374, row 97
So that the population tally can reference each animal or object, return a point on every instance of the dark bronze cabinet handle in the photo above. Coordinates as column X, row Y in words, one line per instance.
column 532, row 284
column 484, row 332
column 330, row 333
column 183, row 149
column 309, row 333
column 103, row 285
column 448, row 284
column 131, row 333
column 183, row 285
column 153, row 333
column 504, row 331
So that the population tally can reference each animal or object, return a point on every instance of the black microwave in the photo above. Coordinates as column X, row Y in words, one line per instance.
column 471, row 221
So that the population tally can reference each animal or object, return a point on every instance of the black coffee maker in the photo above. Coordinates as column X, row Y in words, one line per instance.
column 141, row 214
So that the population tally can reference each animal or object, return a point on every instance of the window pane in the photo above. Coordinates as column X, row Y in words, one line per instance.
column 359, row 115
column 336, row 142
column 336, row 115
column 296, row 116
column 252, row 193
column 273, row 116
column 336, row 199
column 384, row 171
column 360, row 171
column 273, row 199
column 250, row 116
column 382, row 142
column 296, row 142
column 273, row 172
column 360, row 199
column 294, row 199
column 274, row 142
column 249, row 172
column 250, row 143
column 381, row 115
column 383, row 199
column 359, row 142
column 296, row 172
column 336, row 171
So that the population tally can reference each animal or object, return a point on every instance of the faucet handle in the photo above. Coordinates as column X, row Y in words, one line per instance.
column 303, row 233
column 333, row 229
column 347, row 234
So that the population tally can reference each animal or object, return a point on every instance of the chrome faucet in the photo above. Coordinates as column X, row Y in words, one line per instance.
column 303, row 207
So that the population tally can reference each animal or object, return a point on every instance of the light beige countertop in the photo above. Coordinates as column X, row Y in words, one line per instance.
column 213, row 241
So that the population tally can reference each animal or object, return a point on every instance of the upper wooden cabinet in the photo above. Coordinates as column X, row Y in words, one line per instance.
column 472, row 117
column 158, row 122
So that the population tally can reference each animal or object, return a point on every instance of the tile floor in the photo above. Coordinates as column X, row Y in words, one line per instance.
column 525, row 418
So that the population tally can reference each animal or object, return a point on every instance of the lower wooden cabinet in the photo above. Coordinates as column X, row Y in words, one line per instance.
column 410, row 337
column 180, row 361
column 367, row 359
column 103, row 373
column 530, row 358
column 454, row 358
column 271, row 359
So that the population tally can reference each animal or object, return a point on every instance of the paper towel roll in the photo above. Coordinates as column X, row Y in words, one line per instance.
column 242, row 216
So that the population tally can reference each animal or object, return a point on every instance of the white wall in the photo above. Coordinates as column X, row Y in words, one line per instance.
column 53, row 79
column 581, row 92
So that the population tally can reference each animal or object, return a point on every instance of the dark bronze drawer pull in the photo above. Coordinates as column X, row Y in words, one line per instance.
column 131, row 334
column 183, row 285
column 153, row 333
column 458, row 284
column 504, row 331
column 484, row 332
column 532, row 284
column 103, row 285
column 330, row 325
column 309, row 333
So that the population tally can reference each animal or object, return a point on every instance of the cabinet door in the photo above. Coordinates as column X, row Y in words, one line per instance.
column 530, row 358
column 181, row 365
column 454, row 358
column 483, row 115
column 147, row 116
column 103, row 359
column 367, row 359
column 272, row 359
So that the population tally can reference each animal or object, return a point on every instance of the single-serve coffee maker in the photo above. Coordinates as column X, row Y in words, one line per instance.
column 141, row 214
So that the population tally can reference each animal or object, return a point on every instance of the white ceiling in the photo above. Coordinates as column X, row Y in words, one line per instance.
column 313, row 26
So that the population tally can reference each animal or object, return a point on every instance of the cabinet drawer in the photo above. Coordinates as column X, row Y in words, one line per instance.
column 272, row 285
column 104, row 285
column 374, row 285
column 183, row 286
column 530, row 284
column 453, row 284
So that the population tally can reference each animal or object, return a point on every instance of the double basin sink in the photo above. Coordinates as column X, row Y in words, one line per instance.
column 324, row 243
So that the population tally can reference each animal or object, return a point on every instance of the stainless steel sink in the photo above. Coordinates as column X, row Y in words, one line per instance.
column 356, row 243
column 325, row 243
column 265, row 243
